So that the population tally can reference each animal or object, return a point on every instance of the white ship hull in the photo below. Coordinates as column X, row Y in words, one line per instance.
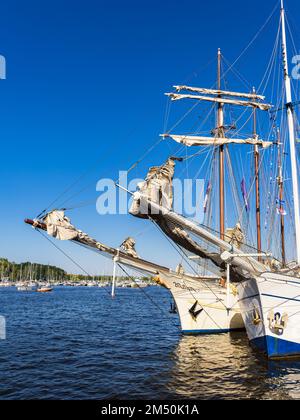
column 204, row 307
column 270, row 306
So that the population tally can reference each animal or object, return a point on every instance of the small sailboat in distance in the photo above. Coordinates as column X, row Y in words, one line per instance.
column 45, row 288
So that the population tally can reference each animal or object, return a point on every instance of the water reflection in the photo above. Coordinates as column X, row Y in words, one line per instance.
column 225, row 367
column 78, row 344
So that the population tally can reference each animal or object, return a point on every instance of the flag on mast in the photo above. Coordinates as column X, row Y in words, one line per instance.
column 245, row 195
column 207, row 194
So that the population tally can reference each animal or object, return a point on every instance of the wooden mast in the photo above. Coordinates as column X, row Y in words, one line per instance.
column 257, row 185
column 220, row 124
column 281, row 196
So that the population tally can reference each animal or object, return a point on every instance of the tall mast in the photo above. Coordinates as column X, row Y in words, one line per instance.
column 221, row 134
column 257, row 184
column 292, row 136
column 281, row 196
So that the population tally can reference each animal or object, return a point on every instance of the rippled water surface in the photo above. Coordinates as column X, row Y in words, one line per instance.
column 77, row 343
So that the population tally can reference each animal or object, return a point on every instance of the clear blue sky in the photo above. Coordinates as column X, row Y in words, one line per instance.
column 85, row 84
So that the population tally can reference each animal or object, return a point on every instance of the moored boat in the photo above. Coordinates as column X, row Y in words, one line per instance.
column 44, row 289
column 270, row 303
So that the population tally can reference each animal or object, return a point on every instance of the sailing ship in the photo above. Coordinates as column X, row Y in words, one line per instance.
column 236, row 283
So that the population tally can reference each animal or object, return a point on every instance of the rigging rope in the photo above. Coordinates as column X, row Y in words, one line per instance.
column 254, row 38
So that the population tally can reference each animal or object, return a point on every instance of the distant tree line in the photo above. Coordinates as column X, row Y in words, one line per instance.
column 30, row 271
column 39, row 272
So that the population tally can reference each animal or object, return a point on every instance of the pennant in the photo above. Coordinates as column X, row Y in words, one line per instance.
column 280, row 202
column 245, row 195
column 207, row 194
column 281, row 211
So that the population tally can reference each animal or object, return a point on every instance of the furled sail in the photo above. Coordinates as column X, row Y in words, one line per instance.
column 158, row 189
column 252, row 96
column 216, row 141
column 128, row 246
column 59, row 226
column 235, row 236
column 258, row 105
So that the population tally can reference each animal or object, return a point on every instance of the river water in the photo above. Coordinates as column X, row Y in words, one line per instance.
column 78, row 343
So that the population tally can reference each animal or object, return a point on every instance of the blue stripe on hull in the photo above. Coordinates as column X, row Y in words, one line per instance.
column 276, row 348
column 206, row 332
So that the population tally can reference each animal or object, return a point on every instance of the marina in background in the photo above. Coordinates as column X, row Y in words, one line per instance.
column 29, row 276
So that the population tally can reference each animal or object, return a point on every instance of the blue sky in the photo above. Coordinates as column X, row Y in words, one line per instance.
column 84, row 88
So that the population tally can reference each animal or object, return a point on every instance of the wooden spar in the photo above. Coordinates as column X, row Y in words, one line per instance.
column 37, row 224
column 221, row 133
column 257, row 187
column 121, row 257
column 281, row 196
column 221, row 92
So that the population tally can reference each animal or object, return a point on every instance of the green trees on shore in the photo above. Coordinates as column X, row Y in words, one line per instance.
column 39, row 272
column 29, row 271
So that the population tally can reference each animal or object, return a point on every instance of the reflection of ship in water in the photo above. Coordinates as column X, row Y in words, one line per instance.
column 206, row 368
